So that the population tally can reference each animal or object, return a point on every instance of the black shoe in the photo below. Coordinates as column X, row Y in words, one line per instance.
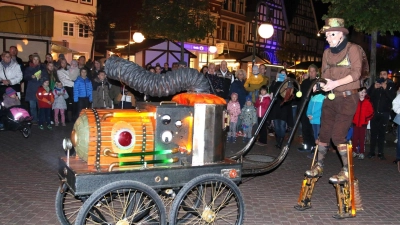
column 371, row 155
column 395, row 161
column 305, row 148
column 381, row 156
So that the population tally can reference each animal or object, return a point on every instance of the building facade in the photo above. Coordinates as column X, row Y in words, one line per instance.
column 27, row 22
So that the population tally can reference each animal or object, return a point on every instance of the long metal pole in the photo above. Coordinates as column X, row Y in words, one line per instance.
column 255, row 29
column 129, row 41
column 208, row 38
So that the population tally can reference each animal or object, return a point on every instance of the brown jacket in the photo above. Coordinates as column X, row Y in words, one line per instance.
column 346, row 62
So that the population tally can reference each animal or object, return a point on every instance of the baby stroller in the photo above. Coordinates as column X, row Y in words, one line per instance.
column 16, row 118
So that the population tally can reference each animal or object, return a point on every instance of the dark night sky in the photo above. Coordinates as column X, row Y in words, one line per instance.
column 320, row 10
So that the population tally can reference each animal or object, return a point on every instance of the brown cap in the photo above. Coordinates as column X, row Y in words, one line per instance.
column 334, row 24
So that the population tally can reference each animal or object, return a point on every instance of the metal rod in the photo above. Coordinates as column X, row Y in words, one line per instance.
column 255, row 29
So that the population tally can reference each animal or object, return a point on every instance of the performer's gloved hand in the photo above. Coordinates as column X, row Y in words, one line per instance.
column 330, row 85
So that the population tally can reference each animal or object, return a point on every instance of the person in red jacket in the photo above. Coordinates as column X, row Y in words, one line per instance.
column 262, row 104
column 363, row 114
column 45, row 100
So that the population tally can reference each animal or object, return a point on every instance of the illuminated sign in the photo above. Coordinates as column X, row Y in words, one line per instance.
column 202, row 48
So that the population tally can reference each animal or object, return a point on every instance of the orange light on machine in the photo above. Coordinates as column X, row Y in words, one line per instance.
column 189, row 121
column 132, row 114
column 233, row 173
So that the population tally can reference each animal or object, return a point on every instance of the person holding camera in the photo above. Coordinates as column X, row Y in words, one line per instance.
column 382, row 94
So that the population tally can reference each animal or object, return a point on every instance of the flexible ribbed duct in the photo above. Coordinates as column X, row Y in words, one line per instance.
column 170, row 83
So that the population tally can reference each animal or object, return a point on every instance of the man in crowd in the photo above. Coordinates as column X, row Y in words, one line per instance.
column 10, row 73
column 227, row 78
column 382, row 94
column 306, row 128
column 158, row 69
column 166, row 68
column 14, row 56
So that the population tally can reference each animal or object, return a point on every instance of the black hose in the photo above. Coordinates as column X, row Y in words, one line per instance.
column 157, row 85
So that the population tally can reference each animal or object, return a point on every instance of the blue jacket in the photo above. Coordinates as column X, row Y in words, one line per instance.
column 315, row 108
column 33, row 83
column 238, row 87
column 83, row 88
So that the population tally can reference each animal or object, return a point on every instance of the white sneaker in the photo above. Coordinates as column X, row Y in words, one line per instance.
column 271, row 134
column 355, row 154
column 361, row 156
column 395, row 141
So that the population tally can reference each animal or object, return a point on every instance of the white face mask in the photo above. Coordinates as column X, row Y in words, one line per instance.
column 334, row 38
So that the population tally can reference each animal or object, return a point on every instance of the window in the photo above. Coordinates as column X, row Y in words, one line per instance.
column 240, row 33
column 86, row 1
column 68, row 29
column 224, row 30
column 226, row 4
column 232, row 33
column 241, row 6
column 83, row 31
column 233, row 6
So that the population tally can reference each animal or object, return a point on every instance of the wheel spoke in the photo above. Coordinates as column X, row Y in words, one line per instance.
column 218, row 202
column 124, row 201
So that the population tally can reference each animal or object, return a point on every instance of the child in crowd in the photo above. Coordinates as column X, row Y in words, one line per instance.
column 262, row 104
column 234, row 112
column 83, row 91
column 249, row 119
column 126, row 99
column 313, row 113
column 45, row 100
column 363, row 115
column 10, row 98
column 101, row 97
column 59, row 105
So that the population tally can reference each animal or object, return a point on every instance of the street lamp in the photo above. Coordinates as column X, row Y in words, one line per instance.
column 138, row 37
column 212, row 49
column 266, row 30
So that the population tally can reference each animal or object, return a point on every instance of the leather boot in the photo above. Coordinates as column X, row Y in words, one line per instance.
column 279, row 142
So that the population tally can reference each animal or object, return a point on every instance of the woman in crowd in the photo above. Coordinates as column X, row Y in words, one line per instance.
column 33, row 75
column 95, row 70
column 281, row 112
column 68, row 83
column 204, row 70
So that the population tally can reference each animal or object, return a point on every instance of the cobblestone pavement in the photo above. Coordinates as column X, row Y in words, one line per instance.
column 28, row 184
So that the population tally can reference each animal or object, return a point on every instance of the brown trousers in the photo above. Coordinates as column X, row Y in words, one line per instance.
column 337, row 116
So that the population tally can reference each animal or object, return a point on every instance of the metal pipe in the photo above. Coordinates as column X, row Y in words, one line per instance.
column 255, row 29
column 279, row 159
column 246, row 148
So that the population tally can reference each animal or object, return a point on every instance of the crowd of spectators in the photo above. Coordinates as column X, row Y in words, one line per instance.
column 56, row 91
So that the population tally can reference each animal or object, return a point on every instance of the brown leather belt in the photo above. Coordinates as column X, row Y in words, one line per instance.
column 345, row 93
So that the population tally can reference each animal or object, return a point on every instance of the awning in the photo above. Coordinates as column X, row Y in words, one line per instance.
column 61, row 49
column 259, row 59
column 305, row 65
column 241, row 57
column 98, row 54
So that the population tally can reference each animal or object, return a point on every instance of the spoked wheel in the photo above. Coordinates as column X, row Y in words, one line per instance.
column 123, row 203
column 26, row 131
column 208, row 199
column 67, row 206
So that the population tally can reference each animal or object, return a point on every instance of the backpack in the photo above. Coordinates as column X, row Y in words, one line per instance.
column 346, row 62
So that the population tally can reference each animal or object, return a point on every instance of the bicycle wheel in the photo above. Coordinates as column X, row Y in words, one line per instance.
column 208, row 199
column 123, row 202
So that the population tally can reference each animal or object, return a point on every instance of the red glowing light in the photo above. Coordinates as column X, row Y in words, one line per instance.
column 125, row 138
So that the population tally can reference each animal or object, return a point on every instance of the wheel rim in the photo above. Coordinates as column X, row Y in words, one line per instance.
column 67, row 206
column 124, row 205
column 211, row 202
column 26, row 132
